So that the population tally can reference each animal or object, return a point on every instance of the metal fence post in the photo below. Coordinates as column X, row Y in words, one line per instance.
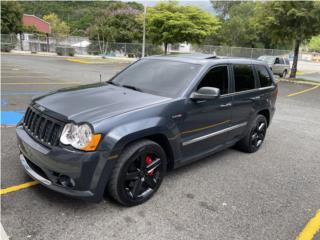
column 251, row 52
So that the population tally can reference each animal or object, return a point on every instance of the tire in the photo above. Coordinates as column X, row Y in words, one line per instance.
column 255, row 136
column 284, row 74
column 138, row 173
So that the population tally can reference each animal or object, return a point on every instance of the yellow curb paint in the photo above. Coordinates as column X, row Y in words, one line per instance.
column 18, row 187
column 40, row 83
column 303, row 91
column 311, row 229
column 77, row 60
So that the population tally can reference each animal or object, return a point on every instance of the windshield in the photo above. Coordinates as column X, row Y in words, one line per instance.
column 159, row 77
column 268, row 59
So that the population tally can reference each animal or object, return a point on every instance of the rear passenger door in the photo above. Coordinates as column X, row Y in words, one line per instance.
column 245, row 98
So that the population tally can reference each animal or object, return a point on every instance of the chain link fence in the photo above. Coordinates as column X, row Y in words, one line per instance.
column 239, row 51
column 72, row 45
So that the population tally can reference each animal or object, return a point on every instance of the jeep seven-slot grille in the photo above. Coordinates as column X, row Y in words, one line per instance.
column 42, row 128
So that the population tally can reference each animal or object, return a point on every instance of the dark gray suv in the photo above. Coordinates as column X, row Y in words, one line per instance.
column 159, row 113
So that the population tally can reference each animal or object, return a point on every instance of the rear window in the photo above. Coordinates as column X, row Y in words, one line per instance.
column 243, row 77
column 264, row 76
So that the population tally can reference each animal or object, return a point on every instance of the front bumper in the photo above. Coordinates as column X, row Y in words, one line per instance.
column 88, row 171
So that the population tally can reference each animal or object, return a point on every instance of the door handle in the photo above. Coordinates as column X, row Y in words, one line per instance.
column 226, row 105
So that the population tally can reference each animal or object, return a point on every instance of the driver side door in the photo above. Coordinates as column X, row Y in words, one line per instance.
column 205, row 123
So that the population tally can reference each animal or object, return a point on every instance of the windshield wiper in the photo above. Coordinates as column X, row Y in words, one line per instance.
column 115, row 84
column 131, row 87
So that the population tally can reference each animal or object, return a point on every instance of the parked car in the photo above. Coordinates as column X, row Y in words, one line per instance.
column 279, row 65
column 122, row 136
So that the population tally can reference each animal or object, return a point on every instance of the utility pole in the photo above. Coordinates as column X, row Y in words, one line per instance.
column 144, row 30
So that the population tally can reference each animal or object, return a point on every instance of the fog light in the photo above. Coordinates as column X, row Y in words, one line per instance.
column 66, row 181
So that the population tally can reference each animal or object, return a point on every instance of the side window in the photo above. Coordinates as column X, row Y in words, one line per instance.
column 264, row 76
column 281, row 61
column 277, row 61
column 217, row 77
column 287, row 61
column 243, row 77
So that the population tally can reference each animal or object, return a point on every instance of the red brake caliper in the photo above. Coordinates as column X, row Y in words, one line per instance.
column 148, row 162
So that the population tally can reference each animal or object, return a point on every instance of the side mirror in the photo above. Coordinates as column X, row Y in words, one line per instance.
column 206, row 93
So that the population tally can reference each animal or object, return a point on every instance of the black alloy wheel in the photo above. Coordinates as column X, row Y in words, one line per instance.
column 255, row 135
column 258, row 133
column 138, row 173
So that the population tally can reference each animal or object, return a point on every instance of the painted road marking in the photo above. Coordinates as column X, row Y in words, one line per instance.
column 311, row 229
column 303, row 91
column 10, row 118
column 18, row 187
column 77, row 60
column 41, row 83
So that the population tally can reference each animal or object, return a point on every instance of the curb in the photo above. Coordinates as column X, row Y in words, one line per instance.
column 300, row 82
column 84, row 57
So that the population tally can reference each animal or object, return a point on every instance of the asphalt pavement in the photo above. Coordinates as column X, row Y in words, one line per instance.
column 271, row 194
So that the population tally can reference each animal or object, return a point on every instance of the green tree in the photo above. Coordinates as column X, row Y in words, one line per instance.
column 223, row 8
column 79, row 15
column 116, row 25
column 292, row 21
column 173, row 23
column 314, row 43
column 11, row 17
column 59, row 29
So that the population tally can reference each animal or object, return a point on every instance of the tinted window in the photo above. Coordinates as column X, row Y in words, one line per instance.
column 216, row 77
column 281, row 61
column 159, row 77
column 244, row 78
column 265, row 78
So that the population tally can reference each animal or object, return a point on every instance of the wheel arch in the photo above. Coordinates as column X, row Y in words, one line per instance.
column 160, row 139
column 266, row 114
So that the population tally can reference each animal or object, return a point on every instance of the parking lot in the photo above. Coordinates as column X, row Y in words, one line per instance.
column 271, row 194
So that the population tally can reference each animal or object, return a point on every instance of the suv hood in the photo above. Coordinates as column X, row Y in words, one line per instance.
column 95, row 101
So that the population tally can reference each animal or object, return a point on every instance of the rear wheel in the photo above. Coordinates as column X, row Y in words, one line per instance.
column 284, row 74
column 138, row 173
column 255, row 137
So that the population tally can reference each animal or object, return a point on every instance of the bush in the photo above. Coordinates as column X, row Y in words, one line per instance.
column 8, row 42
column 7, row 47
column 65, row 51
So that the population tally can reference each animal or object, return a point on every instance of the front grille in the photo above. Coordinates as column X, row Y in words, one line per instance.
column 42, row 128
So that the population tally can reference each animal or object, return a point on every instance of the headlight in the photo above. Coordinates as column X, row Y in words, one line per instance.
column 80, row 137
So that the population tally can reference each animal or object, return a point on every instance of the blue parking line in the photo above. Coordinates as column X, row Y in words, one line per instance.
column 11, row 118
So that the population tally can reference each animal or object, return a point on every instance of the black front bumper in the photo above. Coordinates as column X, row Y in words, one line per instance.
column 89, row 171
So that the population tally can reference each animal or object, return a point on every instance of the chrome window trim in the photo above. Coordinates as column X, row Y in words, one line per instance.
column 197, row 139
column 248, row 91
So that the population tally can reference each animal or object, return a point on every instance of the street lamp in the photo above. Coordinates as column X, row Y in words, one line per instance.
column 144, row 30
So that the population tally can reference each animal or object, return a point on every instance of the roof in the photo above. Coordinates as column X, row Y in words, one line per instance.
column 38, row 23
column 199, row 58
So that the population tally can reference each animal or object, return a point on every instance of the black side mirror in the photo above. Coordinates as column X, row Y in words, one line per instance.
column 206, row 93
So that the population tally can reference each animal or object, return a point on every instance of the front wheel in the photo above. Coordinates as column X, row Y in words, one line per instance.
column 255, row 136
column 138, row 173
